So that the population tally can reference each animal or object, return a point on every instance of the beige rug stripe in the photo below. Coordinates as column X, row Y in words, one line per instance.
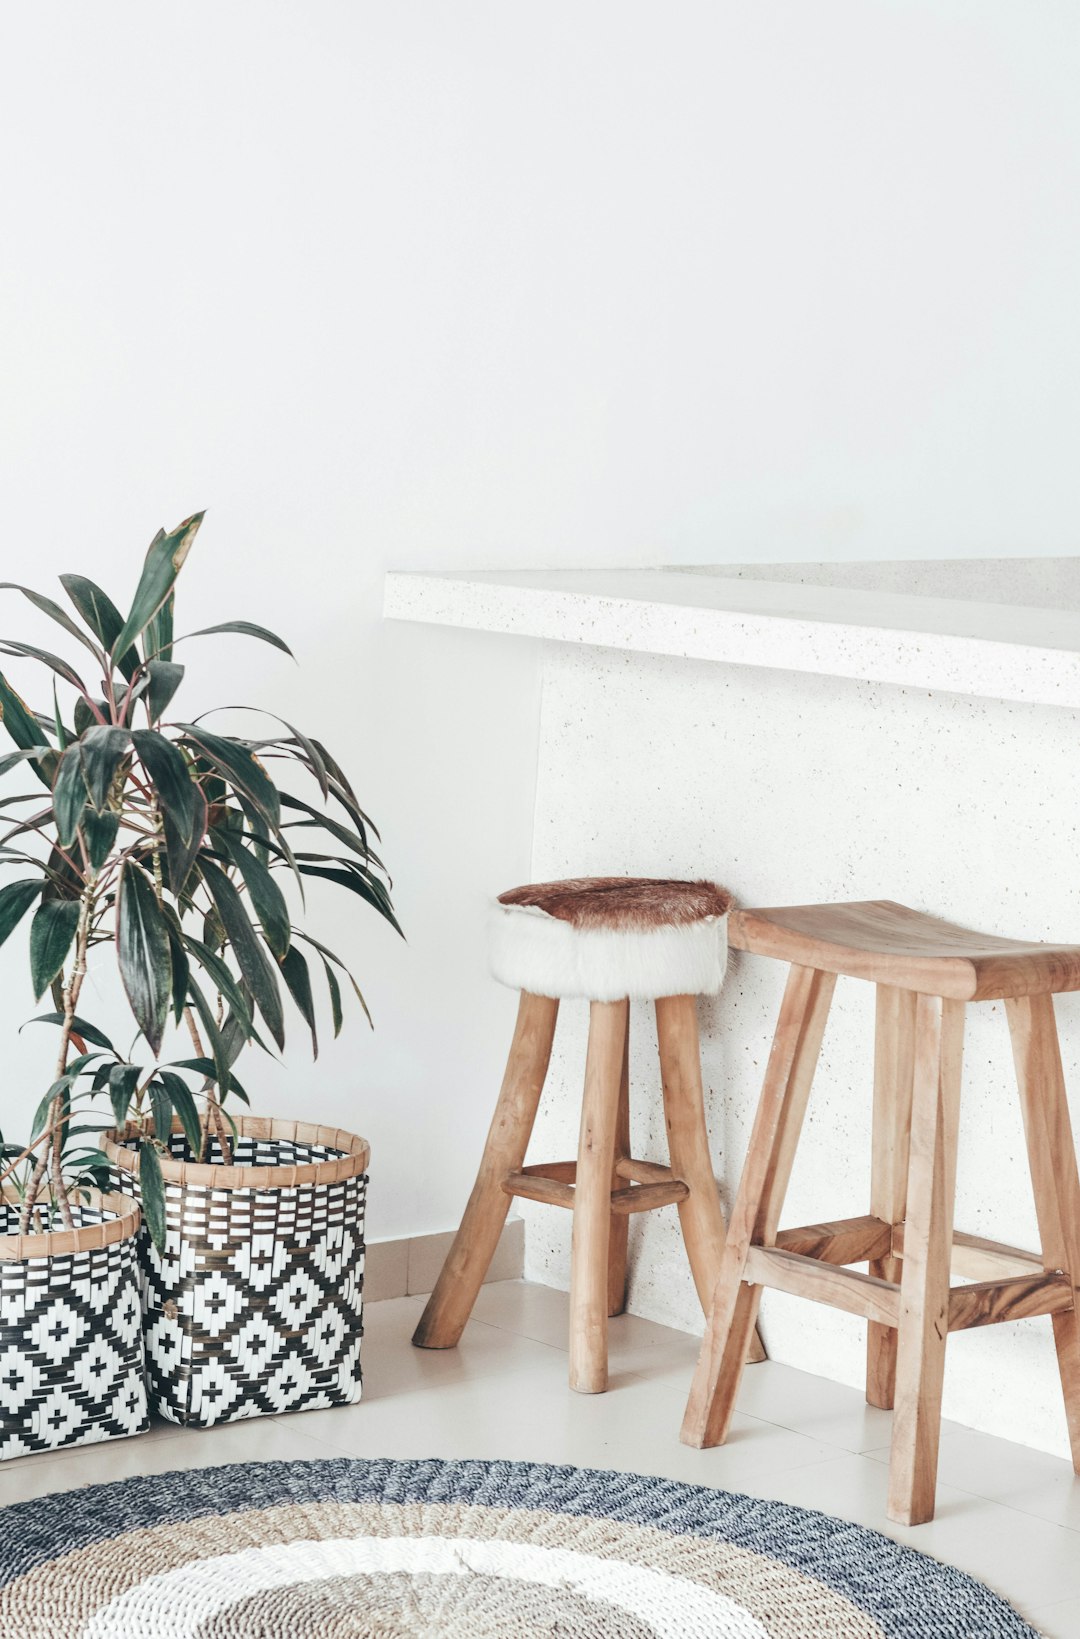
column 72, row 1587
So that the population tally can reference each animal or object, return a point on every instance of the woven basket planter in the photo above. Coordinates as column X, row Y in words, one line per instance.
column 256, row 1305
column 71, row 1348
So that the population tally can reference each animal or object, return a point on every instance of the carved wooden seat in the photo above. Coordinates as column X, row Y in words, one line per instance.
column 925, row 971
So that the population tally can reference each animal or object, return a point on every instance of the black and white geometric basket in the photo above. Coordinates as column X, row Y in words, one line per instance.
column 256, row 1304
column 71, row 1348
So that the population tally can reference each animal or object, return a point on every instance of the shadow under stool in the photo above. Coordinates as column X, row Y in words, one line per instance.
column 925, row 971
column 607, row 940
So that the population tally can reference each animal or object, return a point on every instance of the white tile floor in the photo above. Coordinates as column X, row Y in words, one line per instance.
column 1006, row 1514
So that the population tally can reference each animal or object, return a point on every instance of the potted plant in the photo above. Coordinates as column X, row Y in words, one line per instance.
column 169, row 842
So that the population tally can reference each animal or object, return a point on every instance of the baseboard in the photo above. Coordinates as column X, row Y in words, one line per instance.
column 409, row 1267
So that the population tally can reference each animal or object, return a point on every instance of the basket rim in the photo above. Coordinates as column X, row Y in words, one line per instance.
column 214, row 1175
column 57, row 1243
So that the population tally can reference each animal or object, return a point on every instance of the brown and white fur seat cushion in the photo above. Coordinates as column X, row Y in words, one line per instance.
column 604, row 938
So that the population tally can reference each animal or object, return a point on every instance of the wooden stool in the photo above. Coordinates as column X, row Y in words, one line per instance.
column 925, row 971
column 609, row 940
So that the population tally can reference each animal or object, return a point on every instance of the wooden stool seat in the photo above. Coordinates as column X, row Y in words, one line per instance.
column 925, row 971
column 890, row 944
column 605, row 940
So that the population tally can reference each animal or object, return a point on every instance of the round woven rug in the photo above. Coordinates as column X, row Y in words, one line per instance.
column 460, row 1550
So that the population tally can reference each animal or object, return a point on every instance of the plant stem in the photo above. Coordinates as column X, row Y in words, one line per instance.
column 52, row 1160
column 214, row 1125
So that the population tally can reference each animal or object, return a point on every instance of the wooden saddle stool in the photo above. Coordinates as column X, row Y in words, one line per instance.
column 925, row 971
column 609, row 940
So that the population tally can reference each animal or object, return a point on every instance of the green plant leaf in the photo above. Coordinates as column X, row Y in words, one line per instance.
column 161, row 1111
column 12, row 758
column 223, row 980
column 352, row 839
column 367, row 887
column 86, row 715
column 171, row 776
column 99, row 833
column 30, row 651
column 101, row 615
column 103, row 749
column 25, row 730
column 51, row 934
column 245, row 629
column 123, row 1080
column 69, row 795
column 335, row 995
column 142, row 950
column 251, row 956
column 266, row 896
column 164, row 560
column 295, row 971
column 180, row 973
column 152, row 1192
column 54, row 612
column 221, row 1061
column 332, row 957
column 181, row 855
column 82, row 1027
column 183, row 1103
column 16, row 899
column 158, row 641
column 239, row 766
column 165, row 678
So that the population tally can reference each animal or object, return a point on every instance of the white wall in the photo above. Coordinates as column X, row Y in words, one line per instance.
column 488, row 283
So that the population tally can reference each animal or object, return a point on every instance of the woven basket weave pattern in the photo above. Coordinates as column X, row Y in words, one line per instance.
column 71, row 1352
column 256, row 1304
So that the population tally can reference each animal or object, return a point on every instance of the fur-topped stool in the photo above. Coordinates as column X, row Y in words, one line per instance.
column 609, row 940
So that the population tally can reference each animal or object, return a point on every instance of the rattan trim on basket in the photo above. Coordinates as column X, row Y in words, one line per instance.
column 214, row 1176
column 60, row 1243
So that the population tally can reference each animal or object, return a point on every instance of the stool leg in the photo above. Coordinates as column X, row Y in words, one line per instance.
column 928, row 1238
column 700, row 1215
column 619, row 1227
column 450, row 1304
column 592, row 1197
column 894, row 1058
column 1052, row 1160
column 762, row 1188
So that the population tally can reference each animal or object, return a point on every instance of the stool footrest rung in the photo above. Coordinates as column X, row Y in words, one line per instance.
column 845, row 1240
column 976, row 1258
column 552, row 1183
column 987, row 1302
column 805, row 1277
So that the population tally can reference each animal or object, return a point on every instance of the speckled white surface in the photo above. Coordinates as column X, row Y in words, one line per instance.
column 983, row 648
column 794, row 788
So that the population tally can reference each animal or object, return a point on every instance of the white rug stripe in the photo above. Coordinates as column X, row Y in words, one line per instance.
column 172, row 1605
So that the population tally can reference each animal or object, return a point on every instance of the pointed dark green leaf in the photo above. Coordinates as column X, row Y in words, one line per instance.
column 219, row 1070
column 82, row 1027
column 251, row 956
column 12, row 759
column 245, row 629
column 69, row 795
column 123, row 1080
column 180, row 973
column 158, row 641
column 266, row 896
column 25, row 730
column 366, row 887
column 171, row 776
column 99, row 833
column 351, row 839
column 183, row 1102
column 103, row 749
column 335, row 995
column 331, row 956
column 295, row 971
column 223, row 980
column 51, row 934
column 164, row 560
column 152, row 1192
column 142, row 950
column 30, row 651
column 86, row 717
column 165, row 678
column 239, row 766
column 161, row 1111
column 16, row 899
column 54, row 612
column 181, row 855
column 101, row 615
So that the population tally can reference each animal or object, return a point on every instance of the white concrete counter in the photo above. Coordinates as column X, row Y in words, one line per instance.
column 805, row 742
column 965, row 645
